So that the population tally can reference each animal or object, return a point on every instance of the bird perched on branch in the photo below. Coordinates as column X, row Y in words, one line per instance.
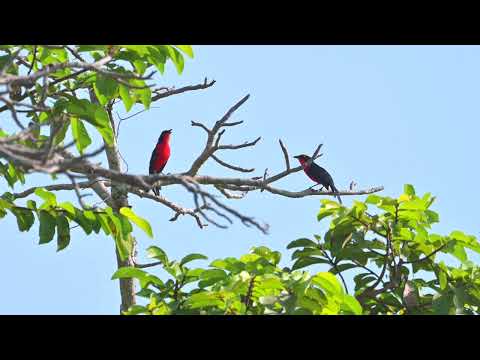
column 317, row 174
column 160, row 156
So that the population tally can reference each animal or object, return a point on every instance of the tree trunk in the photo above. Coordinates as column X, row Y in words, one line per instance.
column 118, row 198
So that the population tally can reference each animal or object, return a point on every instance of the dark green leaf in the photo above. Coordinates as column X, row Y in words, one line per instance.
column 47, row 227
column 307, row 261
column 157, row 253
column 63, row 232
column 105, row 88
column 192, row 257
column 80, row 134
column 303, row 242
column 25, row 219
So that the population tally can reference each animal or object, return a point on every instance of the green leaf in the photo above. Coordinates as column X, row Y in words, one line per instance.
column 121, row 243
column 342, row 267
column 211, row 276
column 94, row 114
column 442, row 303
column 442, row 278
column 187, row 49
column 136, row 309
column 140, row 66
column 50, row 198
column 127, row 99
column 303, row 242
column 191, row 257
column 32, row 205
column 328, row 282
column 105, row 88
column 352, row 305
column 25, row 218
column 361, row 280
column 409, row 189
column 157, row 57
column 141, row 50
column 156, row 253
column 60, row 135
column 231, row 264
column 459, row 252
column 177, row 58
column 89, row 215
column 140, row 222
column 47, row 227
column 144, row 94
column 103, row 220
column 104, row 128
column 307, row 261
column 63, row 233
column 129, row 272
column 328, row 209
column 373, row 199
column 68, row 206
column 80, row 134
column 204, row 299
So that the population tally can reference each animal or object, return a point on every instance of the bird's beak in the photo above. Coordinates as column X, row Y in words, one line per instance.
column 296, row 156
column 170, row 130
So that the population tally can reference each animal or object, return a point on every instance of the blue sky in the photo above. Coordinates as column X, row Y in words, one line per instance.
column 387, row 115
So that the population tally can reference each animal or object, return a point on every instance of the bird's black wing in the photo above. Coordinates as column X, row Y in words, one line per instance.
column 151, row 169
column 322, row 175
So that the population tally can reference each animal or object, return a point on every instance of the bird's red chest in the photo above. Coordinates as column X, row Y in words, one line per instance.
column 306, row 168
column 163, row 153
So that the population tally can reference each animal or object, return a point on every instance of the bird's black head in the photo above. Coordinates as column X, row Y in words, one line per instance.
column 165, row 135
column 302, row 157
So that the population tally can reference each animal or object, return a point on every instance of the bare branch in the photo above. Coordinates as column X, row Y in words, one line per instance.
column 210, row 148
column 75, row 53
column 160, row 95
column 179, row 210
column 201, row 125
column 235, row 147
column 427, row 256
column 229, row 166
column 77, row 192
column 229, row 195
column 143, row 266
column 285, row 155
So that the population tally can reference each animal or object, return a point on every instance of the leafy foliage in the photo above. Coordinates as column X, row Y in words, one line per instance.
column 72, row 108
column 386, row 243
column 252, row 284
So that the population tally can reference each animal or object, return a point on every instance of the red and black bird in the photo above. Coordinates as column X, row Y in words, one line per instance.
column 317, row 174
column 160, row 156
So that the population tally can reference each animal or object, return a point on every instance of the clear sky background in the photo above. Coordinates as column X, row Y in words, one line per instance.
column 387, row 115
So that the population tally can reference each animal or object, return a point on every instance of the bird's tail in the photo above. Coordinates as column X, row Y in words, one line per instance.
column 336, row 190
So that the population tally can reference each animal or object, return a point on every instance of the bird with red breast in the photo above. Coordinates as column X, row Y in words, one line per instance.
column 160, row 156
column 317, row 174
